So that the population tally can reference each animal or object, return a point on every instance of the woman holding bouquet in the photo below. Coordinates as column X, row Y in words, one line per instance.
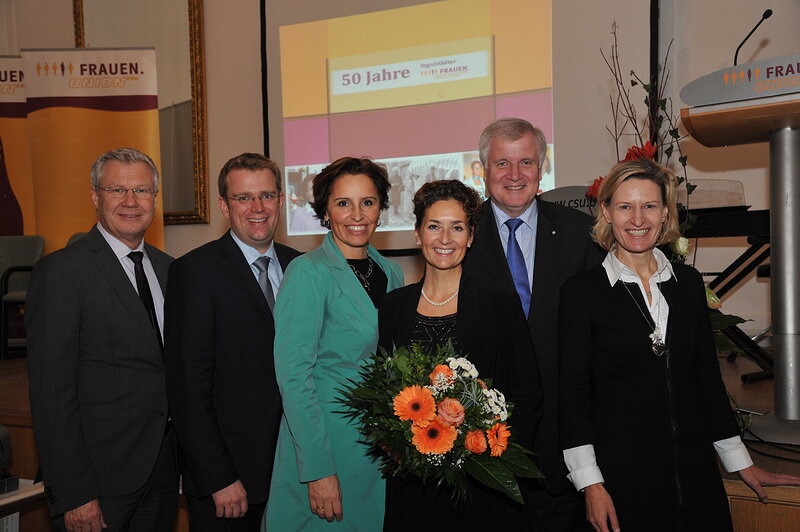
column 326, row 322
column 483, row 322
column 642, row 405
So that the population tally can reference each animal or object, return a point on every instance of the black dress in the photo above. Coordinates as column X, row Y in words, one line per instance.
column 652, row 420
column 493, row 335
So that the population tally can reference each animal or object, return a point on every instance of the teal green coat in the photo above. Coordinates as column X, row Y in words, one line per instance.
column 326, row 328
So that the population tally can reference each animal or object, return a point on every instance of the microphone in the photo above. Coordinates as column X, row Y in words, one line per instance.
column 764, row 16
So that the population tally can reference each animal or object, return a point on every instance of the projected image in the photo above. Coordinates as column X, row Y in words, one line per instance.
column 406, row 174
column 414, row 100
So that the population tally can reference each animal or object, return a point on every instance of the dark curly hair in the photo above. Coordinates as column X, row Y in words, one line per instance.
column 323, row 183
column 448, row 189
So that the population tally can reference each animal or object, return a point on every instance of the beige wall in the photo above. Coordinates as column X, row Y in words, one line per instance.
column 706, row 38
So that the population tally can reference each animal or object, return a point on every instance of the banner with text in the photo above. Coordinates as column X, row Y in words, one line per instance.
column 81, row 103
column 17, row 214
column 461, row 69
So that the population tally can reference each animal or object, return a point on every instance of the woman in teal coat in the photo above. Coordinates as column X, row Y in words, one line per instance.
column 326, row 322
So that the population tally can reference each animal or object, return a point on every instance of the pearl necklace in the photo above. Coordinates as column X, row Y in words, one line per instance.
column 434, row 303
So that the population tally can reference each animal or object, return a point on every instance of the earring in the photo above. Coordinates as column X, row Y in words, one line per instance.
column 378, row 224
column 326, row 223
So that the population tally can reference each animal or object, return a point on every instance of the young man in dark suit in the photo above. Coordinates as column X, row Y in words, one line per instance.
column 98, row 400
column 533, row 246
column 220, row 373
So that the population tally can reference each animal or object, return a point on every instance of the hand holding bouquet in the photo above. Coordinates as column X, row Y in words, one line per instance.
column 428, row 414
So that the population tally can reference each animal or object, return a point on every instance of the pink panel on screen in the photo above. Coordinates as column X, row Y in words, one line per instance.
column 535, row 108
column 438, row 128
column 305, row 141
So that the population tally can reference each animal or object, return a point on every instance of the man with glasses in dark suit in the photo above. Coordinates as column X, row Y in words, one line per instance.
column 220, row 372
column 98, row 398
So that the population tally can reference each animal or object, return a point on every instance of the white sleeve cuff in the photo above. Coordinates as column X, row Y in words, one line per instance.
column 582, row 465
column 733, row 454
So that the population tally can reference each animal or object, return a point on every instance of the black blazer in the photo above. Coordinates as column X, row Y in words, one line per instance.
column 563, row 249
column 490, row 333
column 96, row 369
column 221, row 383
column 652, row 420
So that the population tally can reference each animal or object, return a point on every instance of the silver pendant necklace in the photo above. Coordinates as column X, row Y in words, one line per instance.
column 364, row 278
column 439, row 304
column 657, row 336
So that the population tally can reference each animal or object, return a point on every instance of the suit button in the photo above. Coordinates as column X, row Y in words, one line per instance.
column 161, row 413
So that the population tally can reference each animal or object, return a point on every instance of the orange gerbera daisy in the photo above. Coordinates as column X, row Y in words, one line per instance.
column 415, row 403
column 498, row 438
column 435, row 438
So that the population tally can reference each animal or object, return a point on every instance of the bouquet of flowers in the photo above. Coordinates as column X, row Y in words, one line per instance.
column 426, row 413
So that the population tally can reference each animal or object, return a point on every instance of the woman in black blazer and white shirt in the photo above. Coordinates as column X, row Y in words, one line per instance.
column 642, row 405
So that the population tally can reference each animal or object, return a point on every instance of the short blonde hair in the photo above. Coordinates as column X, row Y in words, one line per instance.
column 638, row 169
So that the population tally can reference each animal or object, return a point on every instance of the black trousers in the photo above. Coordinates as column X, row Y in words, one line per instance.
column 546, row 512
column 203, row 517
column 151, row 508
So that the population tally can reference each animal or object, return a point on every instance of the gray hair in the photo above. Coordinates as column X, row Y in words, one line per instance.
column 122, row 155
column 510, row 129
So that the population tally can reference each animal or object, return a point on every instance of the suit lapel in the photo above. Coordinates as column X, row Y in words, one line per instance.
column 489, row 250
column 669, row 289
column 161, row 267
column 109, row 266
column 344, row 277
column 546, row 248
column 243, row 275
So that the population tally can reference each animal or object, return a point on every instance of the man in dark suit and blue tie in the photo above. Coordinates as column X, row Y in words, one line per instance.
column 220, row 374
column 98, row 399
column 533, row 247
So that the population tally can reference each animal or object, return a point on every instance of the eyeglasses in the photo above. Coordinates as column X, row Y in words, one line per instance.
column 247, row 198
column 119, row 192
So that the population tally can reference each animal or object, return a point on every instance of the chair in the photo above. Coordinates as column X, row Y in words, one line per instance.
column 17, row 256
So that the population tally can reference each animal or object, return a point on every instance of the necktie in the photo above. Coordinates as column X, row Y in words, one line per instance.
column 143, row 287
column 516, row 263
column 262, row 265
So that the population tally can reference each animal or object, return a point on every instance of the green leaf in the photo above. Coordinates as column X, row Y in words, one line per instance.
column 662, row 104
column 721, row 321
column 674, row 133
column 668, row 151
column 634, row 83
column 519, row 464
column 492, row 473
column 402, row 364
column 690, row 188
column 682, row 159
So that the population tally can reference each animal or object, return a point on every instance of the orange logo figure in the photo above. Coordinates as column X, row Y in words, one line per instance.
column 725, row 78
column 757, row 72
column 70, row 67
column 46, row 69
column 38, row 69
column 741, row 76
column 733, row 77
column 54, row 68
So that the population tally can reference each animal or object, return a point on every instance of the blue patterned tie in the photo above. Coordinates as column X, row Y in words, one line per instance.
column 516, row 263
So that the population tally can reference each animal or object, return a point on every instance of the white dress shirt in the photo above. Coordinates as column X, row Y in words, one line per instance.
column 525, row 234
column 581, row 461
column 121, row 250
column 251, row 254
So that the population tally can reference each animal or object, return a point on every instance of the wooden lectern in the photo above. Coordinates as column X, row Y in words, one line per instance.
column 760, row 102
